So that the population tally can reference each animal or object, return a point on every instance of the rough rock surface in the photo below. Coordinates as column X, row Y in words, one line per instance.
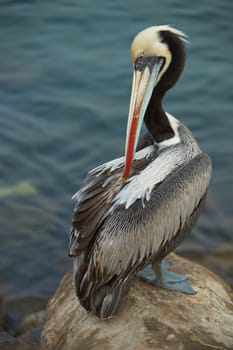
column 150, row 317
column 21, row 322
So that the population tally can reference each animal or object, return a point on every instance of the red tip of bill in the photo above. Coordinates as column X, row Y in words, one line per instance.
column 130, row 149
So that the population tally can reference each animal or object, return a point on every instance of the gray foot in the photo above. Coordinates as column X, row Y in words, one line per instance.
column 160, row 276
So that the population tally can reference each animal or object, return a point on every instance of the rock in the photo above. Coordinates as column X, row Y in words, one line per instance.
column 220, row 259
column 149, row 318
column 28, row 337
column 31, row 322
column 23, row 322
column 28, row 341
column 7, row 341
column 2, row 314
column 19, row 308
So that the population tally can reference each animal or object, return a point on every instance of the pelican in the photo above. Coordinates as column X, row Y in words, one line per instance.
column 133, row 211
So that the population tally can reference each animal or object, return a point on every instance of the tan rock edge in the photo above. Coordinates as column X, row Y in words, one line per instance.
column 149, row 318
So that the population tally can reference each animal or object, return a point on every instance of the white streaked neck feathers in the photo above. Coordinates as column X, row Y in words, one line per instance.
column 174, row 123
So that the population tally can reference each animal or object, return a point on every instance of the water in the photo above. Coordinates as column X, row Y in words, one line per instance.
column 65, row 80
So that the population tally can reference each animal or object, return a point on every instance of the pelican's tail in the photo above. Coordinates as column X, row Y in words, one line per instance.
column 103, row 300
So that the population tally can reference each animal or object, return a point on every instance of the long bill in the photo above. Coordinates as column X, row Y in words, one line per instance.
column 144, row 81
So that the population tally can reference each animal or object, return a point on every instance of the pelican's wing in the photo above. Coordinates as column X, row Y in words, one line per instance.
column 129, row 238
column 95, row 199
column 93, row 202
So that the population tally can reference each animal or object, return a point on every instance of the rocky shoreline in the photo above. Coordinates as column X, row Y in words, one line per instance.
column 150, row 317
column 21, row 321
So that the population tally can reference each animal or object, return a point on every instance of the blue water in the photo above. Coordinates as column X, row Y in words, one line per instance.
column 65, row 80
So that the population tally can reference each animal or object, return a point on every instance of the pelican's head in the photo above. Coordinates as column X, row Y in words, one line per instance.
column 158, row 58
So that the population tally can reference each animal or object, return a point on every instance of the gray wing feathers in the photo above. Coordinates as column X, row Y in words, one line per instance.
column 128, row 239
column 134, row 235
column 93, row 201
column 101, row 297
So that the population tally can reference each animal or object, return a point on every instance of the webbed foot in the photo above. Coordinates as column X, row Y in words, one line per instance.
column 158, row 274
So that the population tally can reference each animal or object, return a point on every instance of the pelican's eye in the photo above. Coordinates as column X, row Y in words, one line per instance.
column 141, row 62
column 141, row 55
